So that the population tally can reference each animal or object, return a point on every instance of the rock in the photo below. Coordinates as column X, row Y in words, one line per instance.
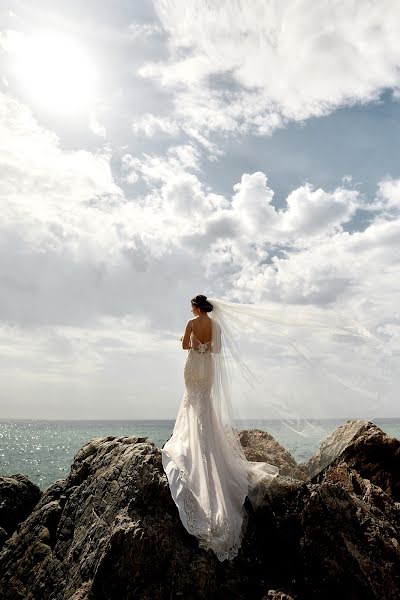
column 338, row 539
column 346, row 547
column 371, row 494
column 111, row 530
column 366, row 449
column 18, row 496
column 332, row 446
column 261, row 446
column 277, row 595
column 3, row 536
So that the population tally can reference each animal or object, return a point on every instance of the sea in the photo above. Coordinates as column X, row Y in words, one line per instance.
column 44, row 449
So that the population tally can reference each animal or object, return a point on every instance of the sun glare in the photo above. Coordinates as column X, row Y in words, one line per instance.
column 56, row 72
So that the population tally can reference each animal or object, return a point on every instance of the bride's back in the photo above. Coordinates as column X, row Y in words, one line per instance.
column 202, row 329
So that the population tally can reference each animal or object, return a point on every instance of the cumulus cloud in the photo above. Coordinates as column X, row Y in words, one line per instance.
column 252, row 205
column 389, row 194
column 80, row 250
column 277, row 66
column 31, row 158
column 63, row 207
column 311, row 212
column 70, row 234
column 156, row 168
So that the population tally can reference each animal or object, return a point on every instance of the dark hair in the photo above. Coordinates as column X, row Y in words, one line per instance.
column 201, row 302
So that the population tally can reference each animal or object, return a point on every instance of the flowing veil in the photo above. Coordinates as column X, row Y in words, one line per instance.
column 223, row 348
column 300, row 364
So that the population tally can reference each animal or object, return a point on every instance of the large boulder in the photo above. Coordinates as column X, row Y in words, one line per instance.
column 261, row 446
column 18, row 496
column 111, row 530
column 366, row 449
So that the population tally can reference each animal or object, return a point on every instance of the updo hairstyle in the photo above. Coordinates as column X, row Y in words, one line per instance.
column 201, row 302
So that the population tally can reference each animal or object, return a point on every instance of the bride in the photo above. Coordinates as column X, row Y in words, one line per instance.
column 308, row 354
column 208, row 473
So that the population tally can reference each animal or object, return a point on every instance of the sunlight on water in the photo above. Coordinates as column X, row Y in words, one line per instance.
column 44, row 450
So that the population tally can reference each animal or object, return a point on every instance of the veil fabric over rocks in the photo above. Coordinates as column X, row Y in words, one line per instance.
column 297, row 364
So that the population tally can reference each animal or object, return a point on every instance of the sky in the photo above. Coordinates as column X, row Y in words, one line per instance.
column 152, row 151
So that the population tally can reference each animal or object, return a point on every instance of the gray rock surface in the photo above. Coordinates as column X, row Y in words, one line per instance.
column 18, row 496
column 261, row 446
column 333, row 445
column 365, row 448
column 112, row 531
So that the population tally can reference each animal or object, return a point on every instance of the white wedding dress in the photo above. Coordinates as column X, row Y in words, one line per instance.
column 208, row 474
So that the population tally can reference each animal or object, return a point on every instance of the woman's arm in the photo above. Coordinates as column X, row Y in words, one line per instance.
column 186, row 336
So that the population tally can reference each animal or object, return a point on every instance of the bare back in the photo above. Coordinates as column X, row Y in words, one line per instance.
column 202, row 329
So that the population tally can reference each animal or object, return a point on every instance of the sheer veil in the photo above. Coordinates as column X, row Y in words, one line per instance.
column 273, row 361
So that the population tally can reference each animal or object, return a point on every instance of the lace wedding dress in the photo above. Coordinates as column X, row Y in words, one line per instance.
column 208, row 474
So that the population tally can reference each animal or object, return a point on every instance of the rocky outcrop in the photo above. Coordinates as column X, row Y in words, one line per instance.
column 18, row 496
column 261, row 446
column 111, row 531
column 365, row 448
column 333, row 445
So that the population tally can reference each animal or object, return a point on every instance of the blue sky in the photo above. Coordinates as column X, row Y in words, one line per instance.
column 246, row 150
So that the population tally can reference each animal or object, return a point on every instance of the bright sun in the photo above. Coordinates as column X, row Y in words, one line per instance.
column 56, row 72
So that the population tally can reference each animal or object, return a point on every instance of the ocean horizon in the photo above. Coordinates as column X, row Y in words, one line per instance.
column 44, row 449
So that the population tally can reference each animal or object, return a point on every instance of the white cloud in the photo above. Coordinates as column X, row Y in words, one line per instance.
column 155, row 168
column 184, row 197
column 387, row 200
column 64, row 207
column 311, row 212
column 348, row 270
column 62, row 371
column 214, row 151
column 67, row 202
column 252, row 206
column 152, row 125
column 389, row 193
column 347, row 179
column 95, row 126
column 129, row 165
column 32, row 162
column 144, row 30
column 79, row 252
column 280, row 62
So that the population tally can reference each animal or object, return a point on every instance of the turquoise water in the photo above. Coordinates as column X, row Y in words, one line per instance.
column 44, row 449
